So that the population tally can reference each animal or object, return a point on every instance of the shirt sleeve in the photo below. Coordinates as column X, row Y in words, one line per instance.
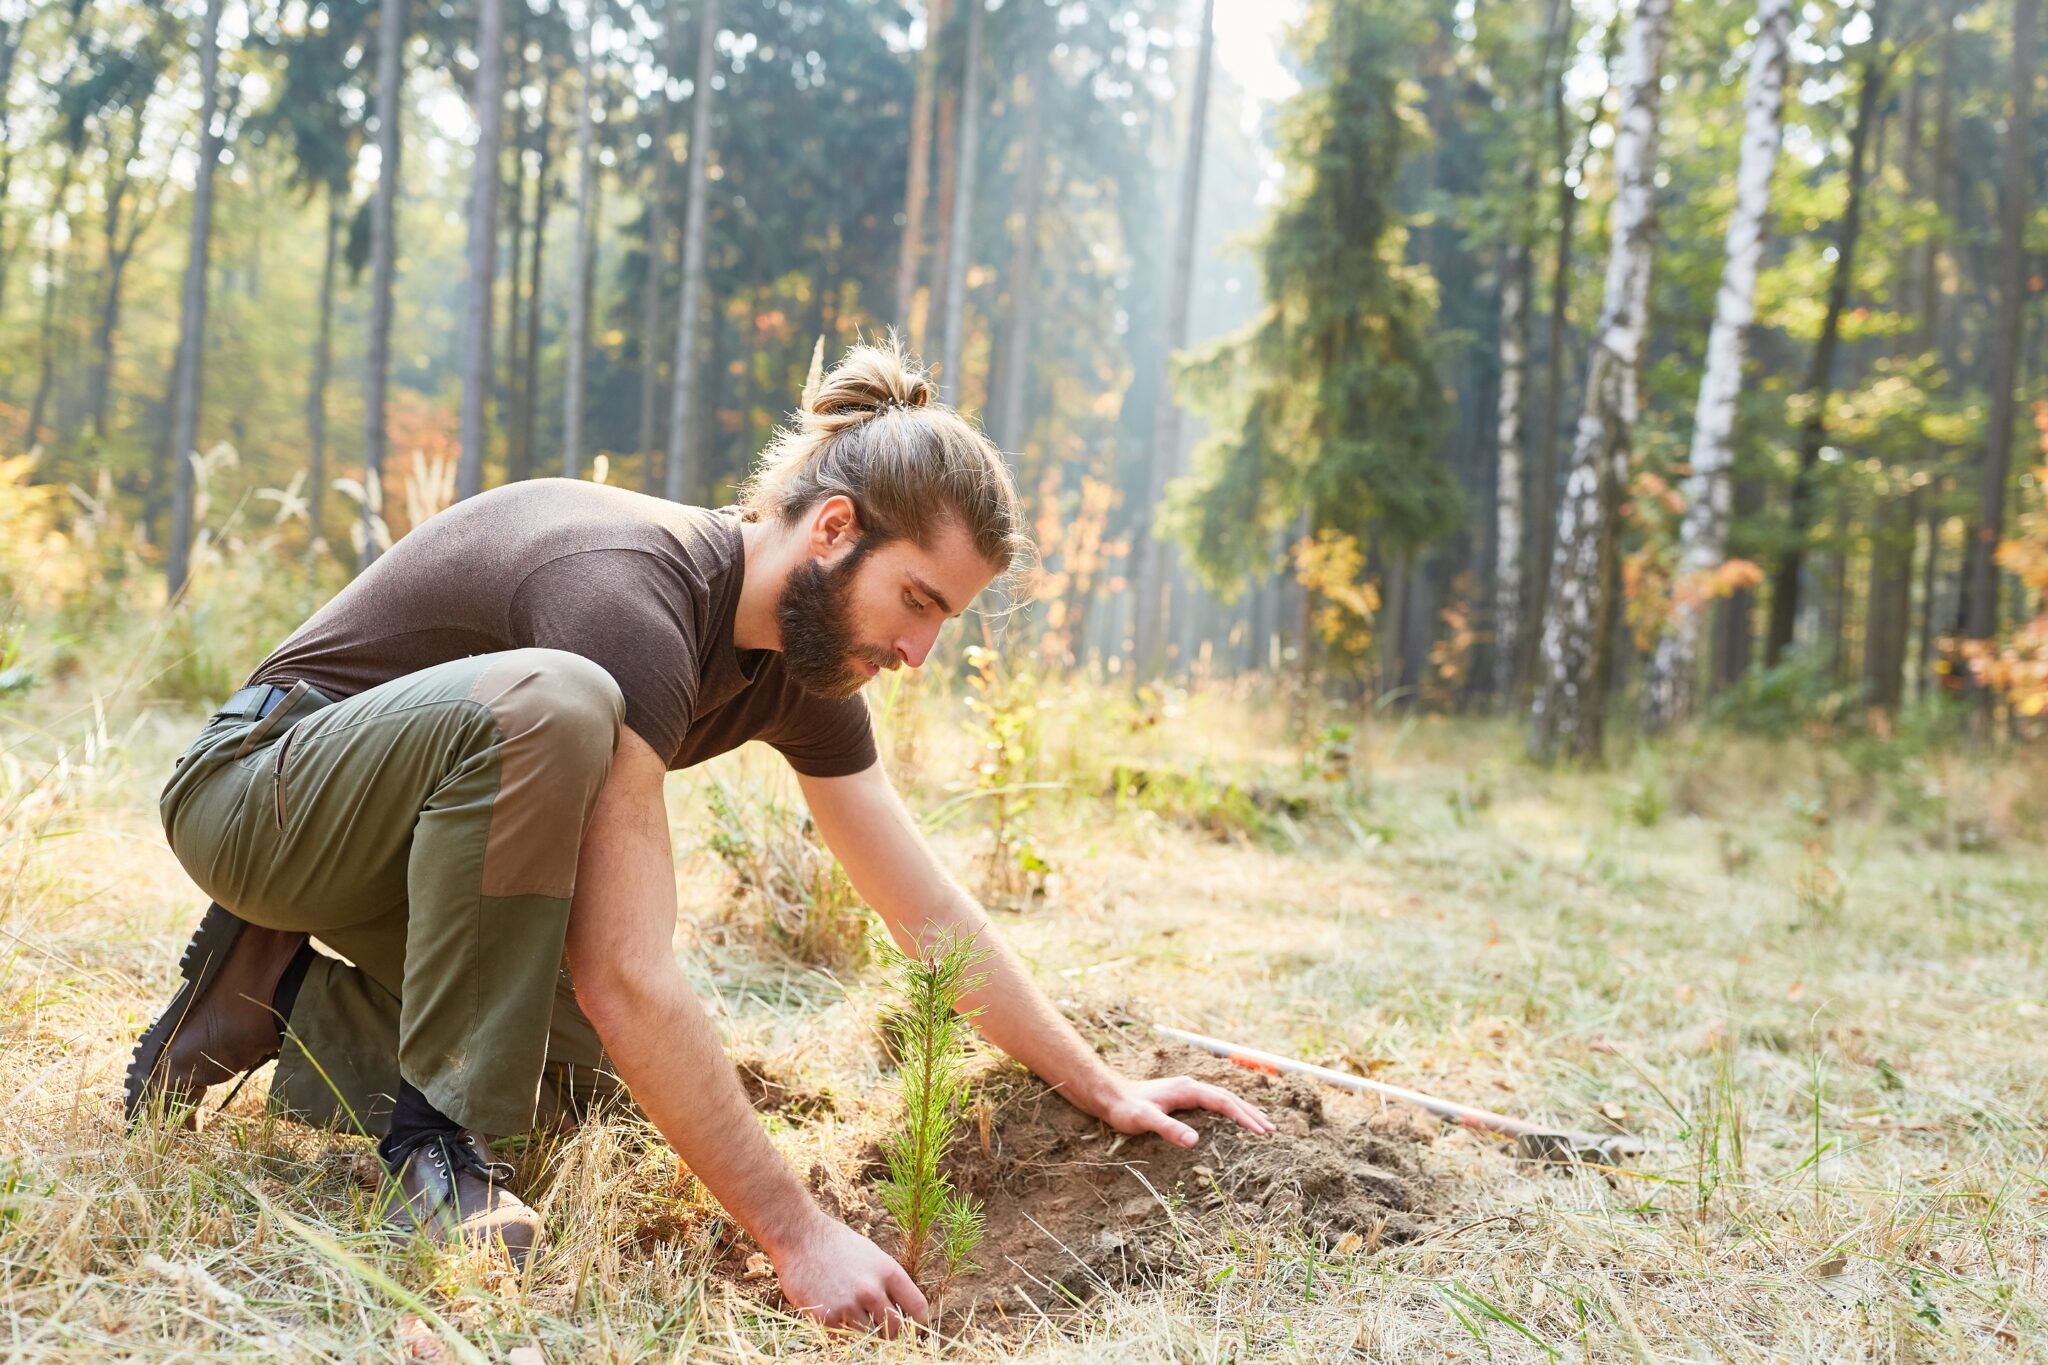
column 824, row 736
column 600, row 604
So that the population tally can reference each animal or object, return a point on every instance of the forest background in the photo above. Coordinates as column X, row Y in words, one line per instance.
column 1399, row 392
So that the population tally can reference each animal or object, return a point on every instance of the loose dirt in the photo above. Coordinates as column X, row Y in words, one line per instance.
column 1074, row 1210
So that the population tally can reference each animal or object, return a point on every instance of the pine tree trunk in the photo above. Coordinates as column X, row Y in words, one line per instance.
column 918, row 178
column 1671, row 686
column 683, row 475
column 383, row 249
column 946, row 136
column 483, row 245
column 577, row 359
column 520, row 446
column 1895, row 523
column 1507, row 519
column 192, row 323
column 1785, row 583
column 967, row 159
column 1148, row 607
column 657, row 256
column 1980, row 576
column 46, row 331
column 515, row 241
column 120, row 250
column 1930, row 587
column 1008, row 427
column 10, row 45
column 316, row 393
column 1571, row 695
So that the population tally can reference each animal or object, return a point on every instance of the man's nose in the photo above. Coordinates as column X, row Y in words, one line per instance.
column 914, row 648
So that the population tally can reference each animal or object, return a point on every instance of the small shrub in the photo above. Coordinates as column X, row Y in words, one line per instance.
column 785, row 881
column 1645, row 801
column 1006, row 727
column 928, row 1034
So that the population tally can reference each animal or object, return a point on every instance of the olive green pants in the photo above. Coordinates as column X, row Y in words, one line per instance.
column 426, row 831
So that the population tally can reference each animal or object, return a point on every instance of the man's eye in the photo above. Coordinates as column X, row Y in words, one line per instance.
column 912, row 602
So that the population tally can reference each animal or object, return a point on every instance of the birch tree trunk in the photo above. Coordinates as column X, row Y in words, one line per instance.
column 192, row 324
column 483, row 245
column 657, row 257
column 918, row 178
column 1980, row 578
column 1672, row 685
column 46, row 332
column 955, row 340
column 681, row 477
column 1785, row 583
column 1147, row 603
column 1575, row 654
column 578, row 348
column 1507, row 534
column 383, row 252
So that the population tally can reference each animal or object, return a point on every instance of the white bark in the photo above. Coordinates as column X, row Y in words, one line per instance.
column 1507, row 536
column 483, row 243
column 1148, row 603
column 1573, row 666
column 676, row 478
column 383, row 255
column 579, row 275
column 954, row 339
column 1672, row 682
column 192, row 324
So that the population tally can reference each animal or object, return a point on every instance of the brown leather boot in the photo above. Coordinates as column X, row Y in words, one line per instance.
column 221, row 1023
column 449, row 1189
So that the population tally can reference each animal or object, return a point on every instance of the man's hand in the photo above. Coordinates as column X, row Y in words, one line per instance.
column 1147, row 1107
column 833, row 1274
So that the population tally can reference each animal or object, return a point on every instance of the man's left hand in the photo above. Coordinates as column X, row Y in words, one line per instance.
column 1147, row 1107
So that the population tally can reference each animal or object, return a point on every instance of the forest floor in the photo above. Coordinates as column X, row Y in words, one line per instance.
column 1810, row 975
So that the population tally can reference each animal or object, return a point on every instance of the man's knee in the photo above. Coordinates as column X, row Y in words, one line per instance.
column 553, row 708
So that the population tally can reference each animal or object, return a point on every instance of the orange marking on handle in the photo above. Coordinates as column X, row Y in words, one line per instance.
column 1252, row 1064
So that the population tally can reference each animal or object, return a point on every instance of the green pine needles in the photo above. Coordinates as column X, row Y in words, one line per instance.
column 930, row 1037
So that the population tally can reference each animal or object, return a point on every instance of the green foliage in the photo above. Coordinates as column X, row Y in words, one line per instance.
column 1007, row 731
column 928, row 1033
column 1330, row 401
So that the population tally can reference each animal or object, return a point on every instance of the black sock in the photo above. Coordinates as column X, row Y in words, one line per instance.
column 287, row 993
column 414, row 1123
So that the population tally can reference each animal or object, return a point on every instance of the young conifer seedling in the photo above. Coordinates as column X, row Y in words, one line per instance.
column 930, row 1037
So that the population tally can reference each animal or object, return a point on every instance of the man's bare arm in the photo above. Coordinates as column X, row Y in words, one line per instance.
column 872, row 833
column 622, row 957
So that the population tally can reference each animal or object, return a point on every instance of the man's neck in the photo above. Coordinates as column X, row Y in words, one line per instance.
column 770, row 555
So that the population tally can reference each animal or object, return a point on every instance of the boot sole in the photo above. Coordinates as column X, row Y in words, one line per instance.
column 204, row 956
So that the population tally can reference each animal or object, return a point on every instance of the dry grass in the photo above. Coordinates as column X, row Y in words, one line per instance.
column 1827, row 1020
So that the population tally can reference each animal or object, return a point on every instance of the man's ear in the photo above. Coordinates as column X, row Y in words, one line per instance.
column 835, row 525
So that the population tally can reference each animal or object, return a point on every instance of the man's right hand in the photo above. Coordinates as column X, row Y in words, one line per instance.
column 833, row 1274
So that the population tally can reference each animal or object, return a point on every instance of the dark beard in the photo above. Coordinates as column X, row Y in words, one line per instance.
column 815, row 615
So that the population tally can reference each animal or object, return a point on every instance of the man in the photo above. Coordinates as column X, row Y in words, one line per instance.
column 452, row 773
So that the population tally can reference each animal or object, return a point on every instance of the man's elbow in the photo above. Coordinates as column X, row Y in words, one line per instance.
column 613, row 995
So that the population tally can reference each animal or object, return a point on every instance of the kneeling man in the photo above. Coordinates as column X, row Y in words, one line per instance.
column 451, row 775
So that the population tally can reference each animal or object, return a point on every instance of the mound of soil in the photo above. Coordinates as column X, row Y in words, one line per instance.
column 1074, row 1209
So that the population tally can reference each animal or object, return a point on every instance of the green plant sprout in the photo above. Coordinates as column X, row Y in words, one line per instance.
column 929, row 1033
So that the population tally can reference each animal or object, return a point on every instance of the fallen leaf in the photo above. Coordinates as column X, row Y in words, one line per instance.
column 420, row 1341
column 759, row 1267
column 1349, row 1244
column 1614, row 1112
column 1828, row 1268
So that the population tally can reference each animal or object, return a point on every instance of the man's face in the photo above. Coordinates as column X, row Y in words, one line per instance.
column 847, row 615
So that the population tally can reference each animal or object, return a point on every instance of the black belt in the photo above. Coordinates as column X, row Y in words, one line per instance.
column 251, row 703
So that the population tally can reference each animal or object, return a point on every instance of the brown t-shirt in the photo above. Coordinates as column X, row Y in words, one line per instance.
column 643, row 587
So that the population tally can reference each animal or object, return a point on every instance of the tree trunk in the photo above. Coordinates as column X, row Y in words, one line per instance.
column 947, row 138
column 515, row 234
column 1008, row 426
column 958, row 237
column 483, row 245
column 519, row 448
column 1785, row 584
column 918, row 179
column 46, row 332
column 1671, row 686
column 192, row 322
column 10, row 45
column 316, row 395
column 1895, row 523
column 120, row 250
column 1147, row 606
column 1930, row 588
column 1571, row 695
column 383, row 251
column 577, row 358
column 657, row 256
column 1507, row 533
column 1980, row 577
column 682, row 474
